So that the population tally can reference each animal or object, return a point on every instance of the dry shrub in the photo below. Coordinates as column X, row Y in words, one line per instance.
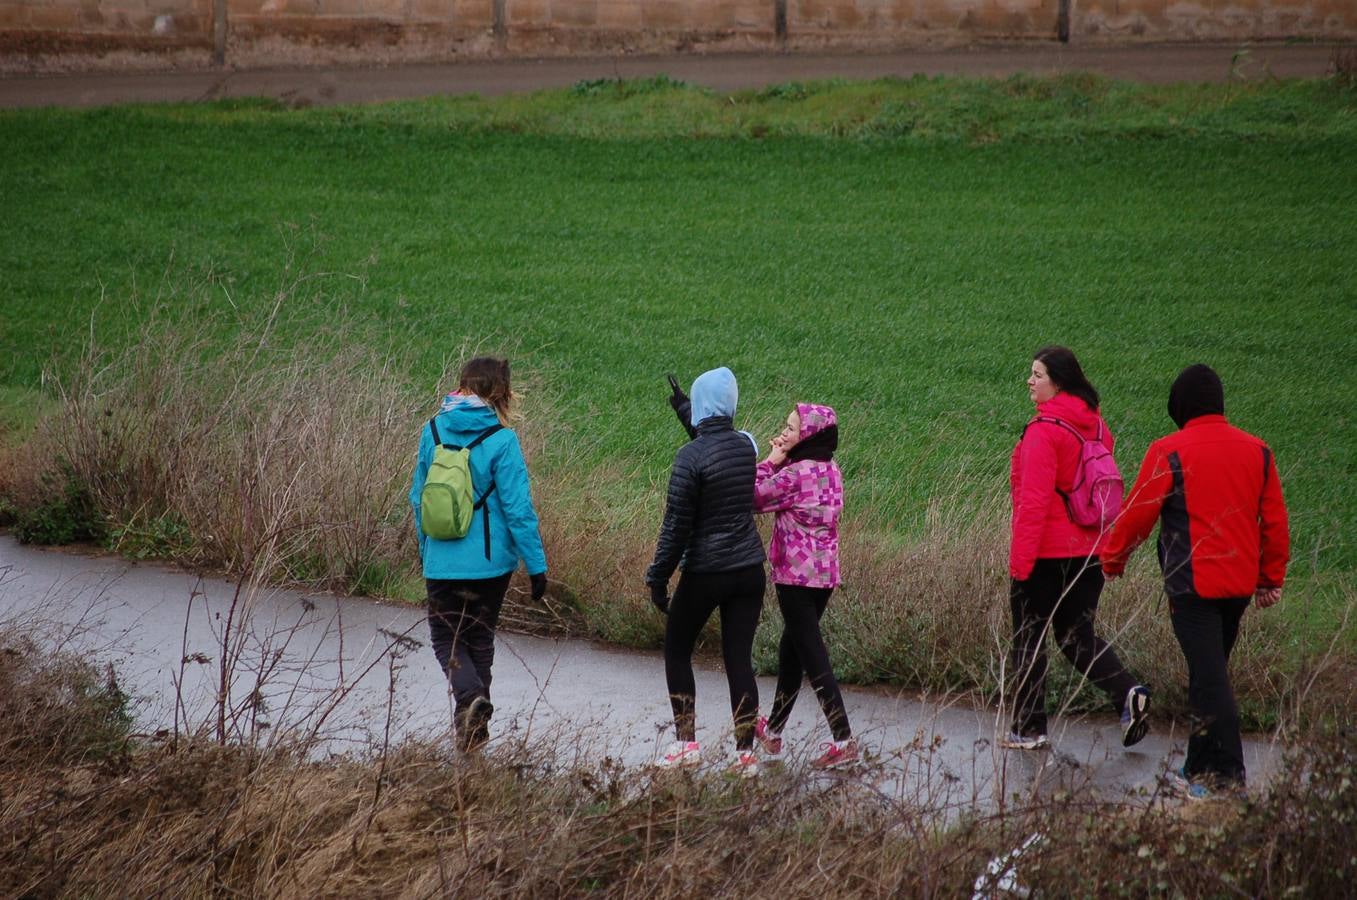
column 599, row 548
column 216, row 453
column 56, row 710
column 197, row 819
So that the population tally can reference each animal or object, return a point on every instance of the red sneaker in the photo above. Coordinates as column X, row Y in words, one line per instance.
column 681, row 754
column 770, row 741
column 837, row 753
column 744, row 764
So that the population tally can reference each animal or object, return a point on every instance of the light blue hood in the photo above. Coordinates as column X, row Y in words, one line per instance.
column 714, row 393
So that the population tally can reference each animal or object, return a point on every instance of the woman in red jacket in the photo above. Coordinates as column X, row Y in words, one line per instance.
column 1053, row 562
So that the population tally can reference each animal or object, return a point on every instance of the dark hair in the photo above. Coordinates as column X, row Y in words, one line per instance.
column 1063, row 367
column 488, row 378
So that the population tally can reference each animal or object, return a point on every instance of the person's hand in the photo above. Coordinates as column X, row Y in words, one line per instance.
column 1111, row 576
column 1266, row 597
column 659, row 596
column 539, row 585
column 677, row 398
column 777, row 453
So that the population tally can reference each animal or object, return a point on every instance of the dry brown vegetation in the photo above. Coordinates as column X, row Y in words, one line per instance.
column 219, row 444
column 87, row 811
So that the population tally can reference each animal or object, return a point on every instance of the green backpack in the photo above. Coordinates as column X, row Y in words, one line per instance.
column 447, row 502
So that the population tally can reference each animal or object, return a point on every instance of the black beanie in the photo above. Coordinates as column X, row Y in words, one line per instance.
column 1196, row 392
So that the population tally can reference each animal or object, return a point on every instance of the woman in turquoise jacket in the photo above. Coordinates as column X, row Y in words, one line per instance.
column 467, row 578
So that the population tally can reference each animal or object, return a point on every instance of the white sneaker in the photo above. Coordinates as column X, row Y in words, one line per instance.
column 744, row 764
column 1016, row 741
column 681, row 754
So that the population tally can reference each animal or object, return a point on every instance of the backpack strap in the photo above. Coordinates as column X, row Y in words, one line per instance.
column 480, row 504
column 1052, row 420
column 433, row 428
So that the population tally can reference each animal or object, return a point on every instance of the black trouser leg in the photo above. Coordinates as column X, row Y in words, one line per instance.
column 1061, row 596
column 739, row 620
column 802, row 651
column 739, row 595
column 1073, row 626
column 1031, row 603
column 689, row 609
column 463, row 615
column 1206, row 631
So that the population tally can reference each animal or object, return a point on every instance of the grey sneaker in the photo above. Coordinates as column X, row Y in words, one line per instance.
column 1135, row 722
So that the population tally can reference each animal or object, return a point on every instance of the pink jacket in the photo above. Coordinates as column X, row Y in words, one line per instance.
column 1044, row 459
column 807, row 497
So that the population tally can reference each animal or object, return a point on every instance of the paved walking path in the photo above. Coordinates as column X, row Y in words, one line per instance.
column 327, row 85
column 322, row 663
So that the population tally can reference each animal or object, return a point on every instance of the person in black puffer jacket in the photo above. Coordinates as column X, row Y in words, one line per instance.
column 709, row 527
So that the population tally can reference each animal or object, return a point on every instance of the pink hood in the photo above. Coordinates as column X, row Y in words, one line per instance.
column 814, row 419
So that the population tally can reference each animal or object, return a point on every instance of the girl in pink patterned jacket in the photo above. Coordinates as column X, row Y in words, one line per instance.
column 801, row 484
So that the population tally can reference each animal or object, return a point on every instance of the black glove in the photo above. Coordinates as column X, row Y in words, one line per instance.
column 683, row 407
column 659, row 595
column 539, row 585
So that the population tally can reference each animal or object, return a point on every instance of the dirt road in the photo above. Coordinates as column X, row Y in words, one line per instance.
column 334, row 85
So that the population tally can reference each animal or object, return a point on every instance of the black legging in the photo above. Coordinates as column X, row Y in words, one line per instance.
column 1062, row 594
column 802, row 652
column 739, row 596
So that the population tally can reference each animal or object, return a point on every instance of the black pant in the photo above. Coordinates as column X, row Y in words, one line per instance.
column 462, row 619
column 739, row 596
column 1061, row 596
column 1206, row 630
column 802, row 652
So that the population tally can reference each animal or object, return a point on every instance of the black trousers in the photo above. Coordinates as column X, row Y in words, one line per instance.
column 1061, row 597
column 739, row 596
column 1206, row 630
column 462, row 620
column 801, row 652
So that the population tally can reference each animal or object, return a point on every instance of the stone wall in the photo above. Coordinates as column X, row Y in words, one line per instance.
column 263, row 31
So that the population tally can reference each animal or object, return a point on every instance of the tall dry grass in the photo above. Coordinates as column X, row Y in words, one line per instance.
column 234, row 445
column 82, row 816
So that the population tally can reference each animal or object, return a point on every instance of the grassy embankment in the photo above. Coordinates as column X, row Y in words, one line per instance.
column 896, row 249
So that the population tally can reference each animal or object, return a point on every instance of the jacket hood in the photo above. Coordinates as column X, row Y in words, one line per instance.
column 463, row 416
column 1196, row 392
column 1073, row 410
column 714, row 393
column 814, row 419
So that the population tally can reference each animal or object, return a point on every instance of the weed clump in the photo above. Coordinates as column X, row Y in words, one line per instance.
column 65, row 511
column 57, row 710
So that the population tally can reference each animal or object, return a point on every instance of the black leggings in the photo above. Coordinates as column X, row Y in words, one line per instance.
column 739, row 596
column 1061, row 596
column 462, row 620
column 802, row 652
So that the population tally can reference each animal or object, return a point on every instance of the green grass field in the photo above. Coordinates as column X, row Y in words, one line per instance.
column 896, row 249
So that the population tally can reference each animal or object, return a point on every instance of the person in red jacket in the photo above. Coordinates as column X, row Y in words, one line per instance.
column 1223, row 539
column 1053, row 562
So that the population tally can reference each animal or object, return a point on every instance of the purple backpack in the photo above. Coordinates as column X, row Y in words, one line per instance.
column 1095, row 498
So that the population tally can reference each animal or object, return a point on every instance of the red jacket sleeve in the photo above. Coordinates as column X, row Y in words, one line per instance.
column 1275, row 549
column 1033, row 493
column 1140, row 512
